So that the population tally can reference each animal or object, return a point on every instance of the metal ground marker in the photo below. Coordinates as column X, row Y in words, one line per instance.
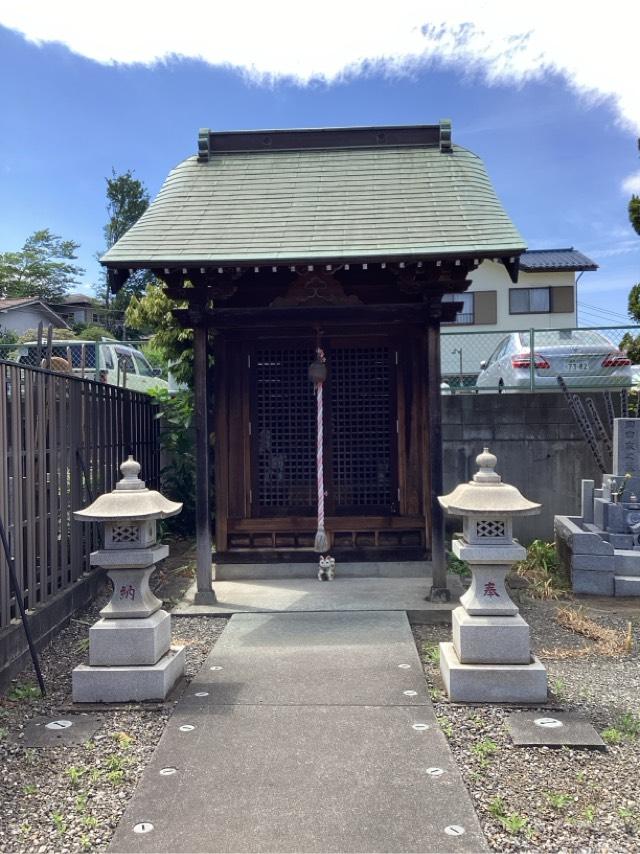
column 549, row 723
column 454, row 830
column 61, row 724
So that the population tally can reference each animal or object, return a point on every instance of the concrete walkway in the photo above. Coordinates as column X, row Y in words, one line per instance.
column 343, row 594
column 304, row 732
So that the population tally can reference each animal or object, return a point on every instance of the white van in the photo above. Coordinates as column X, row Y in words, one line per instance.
column 106, row 361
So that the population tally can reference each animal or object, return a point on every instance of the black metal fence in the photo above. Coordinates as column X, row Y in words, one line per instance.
column 62, row 439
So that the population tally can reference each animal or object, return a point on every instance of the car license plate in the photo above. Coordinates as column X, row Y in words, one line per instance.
column 577, row 365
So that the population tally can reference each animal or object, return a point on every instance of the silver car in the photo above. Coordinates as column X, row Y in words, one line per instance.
column 583, row 357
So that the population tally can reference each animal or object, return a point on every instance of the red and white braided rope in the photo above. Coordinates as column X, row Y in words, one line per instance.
column 319, row 449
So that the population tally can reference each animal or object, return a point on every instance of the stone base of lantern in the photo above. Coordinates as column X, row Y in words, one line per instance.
column 492, row 683
column 130, row 642
column 127, row 684
column 490, row 639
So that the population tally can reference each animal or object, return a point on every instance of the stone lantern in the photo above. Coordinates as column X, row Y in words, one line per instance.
column 130, row 654
column 490, row 658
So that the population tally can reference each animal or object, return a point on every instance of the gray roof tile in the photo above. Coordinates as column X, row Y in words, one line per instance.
column 251, row 207
column 555, row 260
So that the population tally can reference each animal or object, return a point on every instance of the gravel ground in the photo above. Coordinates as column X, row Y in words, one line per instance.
column 553, row 799
column 69, row 798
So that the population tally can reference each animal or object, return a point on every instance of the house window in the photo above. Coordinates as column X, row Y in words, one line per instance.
column 529, row 301
column 466, row 315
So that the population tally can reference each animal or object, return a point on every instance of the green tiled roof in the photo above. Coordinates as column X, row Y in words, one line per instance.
column 328, row 203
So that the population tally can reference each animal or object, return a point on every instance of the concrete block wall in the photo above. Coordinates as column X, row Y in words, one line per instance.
column 539, row 446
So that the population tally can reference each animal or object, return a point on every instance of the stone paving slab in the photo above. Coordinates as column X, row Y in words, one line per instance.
column 59, row 728
column 298, row 758
column 309, row 594
column 337, row 658
column 552, row 729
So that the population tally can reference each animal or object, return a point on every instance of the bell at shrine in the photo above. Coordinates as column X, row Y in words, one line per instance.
column 490, row 658
column 130, row 654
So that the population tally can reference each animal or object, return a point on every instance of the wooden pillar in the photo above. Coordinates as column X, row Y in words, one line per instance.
column 205, row 594
column 439, row 591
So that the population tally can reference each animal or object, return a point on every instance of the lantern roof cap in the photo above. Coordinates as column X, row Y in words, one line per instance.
column 486, row 495
column 129, row 500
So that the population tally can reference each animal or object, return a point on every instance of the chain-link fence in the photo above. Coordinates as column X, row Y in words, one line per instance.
column 128, row 364
column 541, row 359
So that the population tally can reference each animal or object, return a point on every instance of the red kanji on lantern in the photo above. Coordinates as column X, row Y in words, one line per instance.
column 490, row 589
column 128, row 592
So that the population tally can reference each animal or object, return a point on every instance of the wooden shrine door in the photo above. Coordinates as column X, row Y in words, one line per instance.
column 360, row 448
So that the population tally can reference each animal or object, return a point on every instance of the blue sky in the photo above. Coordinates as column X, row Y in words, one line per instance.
column 562, row 155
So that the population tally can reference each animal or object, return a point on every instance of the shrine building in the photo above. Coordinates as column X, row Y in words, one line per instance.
column 277, row 242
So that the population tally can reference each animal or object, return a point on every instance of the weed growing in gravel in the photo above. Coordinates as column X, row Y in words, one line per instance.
column 547, row 577
column 4, row 732
column 589, row 813
column 457, row 566
column 30, row 789
column 115, row 762
column 85, row 843
column 512, row 822
column 90, row 821
column 23, row 691
column 74, row 774
column 124, row 740
column 58, row 822
column 445, row 725
column 81, row 803
column 431, row 652
column 436, row 694
column 611, row 735
column 115, row 777
column 558, row 688
column 611, row 642
column 94, row 775
column 485, row 748
column 629, row 724
column 558, row 800
column 82, row 645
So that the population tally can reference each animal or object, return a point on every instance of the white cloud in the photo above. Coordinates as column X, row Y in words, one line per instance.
column 590, row 44
column 631, row 183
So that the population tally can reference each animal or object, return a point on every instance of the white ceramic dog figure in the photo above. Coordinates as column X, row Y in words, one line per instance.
column 327, row 571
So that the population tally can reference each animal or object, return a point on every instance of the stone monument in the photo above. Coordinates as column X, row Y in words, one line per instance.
column 130, row 654
column 601, row 547
column 490, row 658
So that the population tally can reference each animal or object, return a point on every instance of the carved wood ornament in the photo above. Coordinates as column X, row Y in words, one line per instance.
column 315, row 289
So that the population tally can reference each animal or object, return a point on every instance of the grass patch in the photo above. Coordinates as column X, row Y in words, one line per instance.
column 609, row 642
column 24, row 691
column 485, row 748
column 558, row 800
column 541, row 568
column 431, row 652
column 457, row 566
column 513, row 822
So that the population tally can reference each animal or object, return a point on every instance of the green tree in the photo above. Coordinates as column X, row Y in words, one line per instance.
column 42, row 268
column 151, row 314
column 127, row 200
column 634, row 209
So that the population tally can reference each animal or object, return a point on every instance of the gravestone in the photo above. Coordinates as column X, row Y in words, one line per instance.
column 626, row 446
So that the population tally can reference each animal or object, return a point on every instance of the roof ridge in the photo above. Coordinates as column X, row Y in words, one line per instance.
column 212, row 142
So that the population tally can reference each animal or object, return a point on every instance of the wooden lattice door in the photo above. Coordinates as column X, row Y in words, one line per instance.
column 360, row 438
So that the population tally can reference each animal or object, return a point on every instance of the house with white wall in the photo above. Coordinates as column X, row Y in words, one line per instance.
column 543, row 298
column 20, row 314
